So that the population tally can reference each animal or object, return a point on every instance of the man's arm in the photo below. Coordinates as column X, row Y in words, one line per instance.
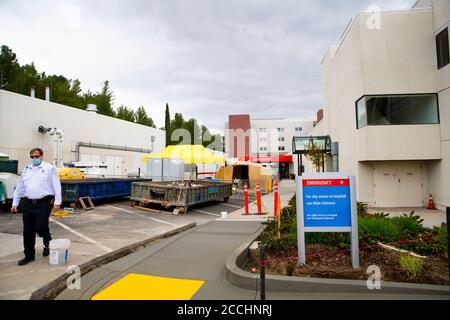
column 56, row 184
column 18, row 192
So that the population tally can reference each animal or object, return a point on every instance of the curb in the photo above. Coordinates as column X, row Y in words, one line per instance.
column 246, row 280
column 55, row 287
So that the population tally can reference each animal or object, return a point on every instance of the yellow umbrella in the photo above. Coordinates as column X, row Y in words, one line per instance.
column 190, row 154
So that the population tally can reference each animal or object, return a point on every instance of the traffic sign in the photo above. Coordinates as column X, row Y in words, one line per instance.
column 326, row 202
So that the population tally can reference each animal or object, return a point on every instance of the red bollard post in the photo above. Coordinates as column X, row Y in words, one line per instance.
column 275, row 200
column 246, row 198
column 258, row 199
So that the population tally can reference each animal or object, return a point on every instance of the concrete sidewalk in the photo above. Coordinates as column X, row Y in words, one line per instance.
column 198, row 254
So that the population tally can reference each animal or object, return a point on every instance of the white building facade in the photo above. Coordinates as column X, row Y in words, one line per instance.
column 387, row 105
column 265, row 141
column 87, row 136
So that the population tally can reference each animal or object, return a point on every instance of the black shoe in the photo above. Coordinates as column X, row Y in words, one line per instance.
column 46, row 252
column 24, row 261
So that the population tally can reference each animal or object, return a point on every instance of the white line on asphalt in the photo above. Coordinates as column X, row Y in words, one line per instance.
column 242, row 220
column 90, row 240
column 140, row 215
column 211, row 214
column 230, row 205
column 241, row 199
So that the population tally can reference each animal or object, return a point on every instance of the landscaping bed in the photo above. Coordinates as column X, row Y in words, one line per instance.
column 423, row 260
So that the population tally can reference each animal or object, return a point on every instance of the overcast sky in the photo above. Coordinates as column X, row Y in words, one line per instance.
column 206, row 58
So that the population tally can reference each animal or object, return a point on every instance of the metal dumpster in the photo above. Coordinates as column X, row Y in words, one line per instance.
column 180, row 194
column 97, row 189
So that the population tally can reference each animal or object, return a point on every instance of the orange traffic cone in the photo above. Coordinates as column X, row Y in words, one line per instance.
column 431, row 205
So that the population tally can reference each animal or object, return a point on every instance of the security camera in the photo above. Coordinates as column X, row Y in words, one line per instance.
column 43, row 129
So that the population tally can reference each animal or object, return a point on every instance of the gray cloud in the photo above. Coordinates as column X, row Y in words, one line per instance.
column 206, row 58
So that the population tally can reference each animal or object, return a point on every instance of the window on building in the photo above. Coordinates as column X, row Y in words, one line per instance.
column 281, row 139
column 263, row 130
column 397, row 110
column 263, row 139
column 298, row 129
column 262, row 148
column 442, row 48
column 281, row 148
column 280, row 129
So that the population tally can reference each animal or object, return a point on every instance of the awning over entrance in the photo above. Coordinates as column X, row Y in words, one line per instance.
column 267, row 159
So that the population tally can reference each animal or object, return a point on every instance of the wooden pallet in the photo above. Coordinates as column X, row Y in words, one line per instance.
column 83, row 204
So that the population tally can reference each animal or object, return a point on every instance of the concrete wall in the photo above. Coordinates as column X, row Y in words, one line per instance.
column 20, row 117
column 399, row 58
column 439, row 171
column 406, row 142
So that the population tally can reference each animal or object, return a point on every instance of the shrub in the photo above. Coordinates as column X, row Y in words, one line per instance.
column 409, row 225
column 293, row 202
column 442, row 237
column 411, row 264
column 432, row 241
column 373, row 230
column 363, row 209
column 338, row 240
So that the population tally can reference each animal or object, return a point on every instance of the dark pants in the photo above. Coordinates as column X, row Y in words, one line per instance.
column 35, row 220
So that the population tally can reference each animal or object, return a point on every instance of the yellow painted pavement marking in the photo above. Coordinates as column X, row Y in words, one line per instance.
column 145, row 287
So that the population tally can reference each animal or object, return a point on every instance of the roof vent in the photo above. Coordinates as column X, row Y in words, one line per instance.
column 91, row 108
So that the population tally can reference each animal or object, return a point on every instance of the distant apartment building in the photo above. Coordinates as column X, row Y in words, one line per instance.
column 264, row 141
column 387, row 105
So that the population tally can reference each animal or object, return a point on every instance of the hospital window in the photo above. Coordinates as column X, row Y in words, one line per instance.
column 385, row 110
column 442, row 49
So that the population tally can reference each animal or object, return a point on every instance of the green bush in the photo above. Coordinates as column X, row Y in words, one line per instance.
column 431, row 241
column 340, row 240
column 363, row 209
column 411, row 264
column 293, row 202
column 409, row 225
column 374, row 230
column 442, row 236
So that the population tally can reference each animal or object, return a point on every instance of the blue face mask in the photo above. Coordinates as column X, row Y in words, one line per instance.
column 36, row 162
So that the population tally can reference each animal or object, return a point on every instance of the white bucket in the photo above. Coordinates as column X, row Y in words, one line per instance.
column 224, row 215
column 59, row 252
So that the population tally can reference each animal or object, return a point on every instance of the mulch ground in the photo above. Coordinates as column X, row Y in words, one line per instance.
column 338, row 265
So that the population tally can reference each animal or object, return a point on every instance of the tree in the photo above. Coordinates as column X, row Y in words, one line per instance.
column 217, row 143
column 314, row 154
column 177, row 123
column 194, row 130
column 125, row 113
column 9, row 67
column 167, row 125
column 143, row 118
column 104, row 100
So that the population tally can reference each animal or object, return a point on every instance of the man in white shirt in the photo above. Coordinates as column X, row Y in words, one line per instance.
column 37, row 193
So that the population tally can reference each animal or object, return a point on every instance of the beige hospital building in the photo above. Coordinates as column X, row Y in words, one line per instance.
column 386, row 89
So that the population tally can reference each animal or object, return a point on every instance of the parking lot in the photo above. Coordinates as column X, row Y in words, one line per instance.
column 110, row 226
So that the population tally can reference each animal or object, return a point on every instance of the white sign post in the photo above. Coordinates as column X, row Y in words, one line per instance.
column 326, row 202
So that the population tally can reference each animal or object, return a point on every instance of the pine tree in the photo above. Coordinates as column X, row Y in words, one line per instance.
column 125, row 113
column 167, row 126
column 143, row 118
